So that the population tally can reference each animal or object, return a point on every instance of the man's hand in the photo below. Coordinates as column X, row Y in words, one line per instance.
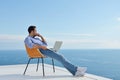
column 43, row 40
column 39, row 47
column 37, row 34
column 43, row 47
column 35, row 46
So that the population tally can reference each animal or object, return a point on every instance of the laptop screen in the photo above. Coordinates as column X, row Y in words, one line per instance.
column 57, row 45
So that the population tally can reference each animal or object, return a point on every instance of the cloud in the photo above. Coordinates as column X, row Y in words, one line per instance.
column 86, row 43
column 75, row 34
column 118, row 18
column 7, row 37
column 17, row 42
column 8, row 42
column 111, row 44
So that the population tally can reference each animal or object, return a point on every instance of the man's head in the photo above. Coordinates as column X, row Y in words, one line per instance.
column 32, row 30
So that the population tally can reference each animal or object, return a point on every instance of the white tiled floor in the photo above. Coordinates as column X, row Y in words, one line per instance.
column 14, row 72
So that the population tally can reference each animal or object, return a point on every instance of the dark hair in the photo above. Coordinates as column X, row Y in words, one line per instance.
column 31, row 28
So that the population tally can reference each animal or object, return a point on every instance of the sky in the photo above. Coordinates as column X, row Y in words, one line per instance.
column 80, row 24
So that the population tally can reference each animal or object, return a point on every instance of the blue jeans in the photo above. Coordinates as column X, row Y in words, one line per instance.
column 70, row 67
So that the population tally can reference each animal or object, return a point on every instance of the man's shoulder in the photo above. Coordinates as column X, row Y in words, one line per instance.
column 27, row 38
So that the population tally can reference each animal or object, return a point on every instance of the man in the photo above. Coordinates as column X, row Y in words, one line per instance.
column 32, row 42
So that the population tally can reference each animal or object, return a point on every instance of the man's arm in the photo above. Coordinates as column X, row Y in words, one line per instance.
column 30, row 44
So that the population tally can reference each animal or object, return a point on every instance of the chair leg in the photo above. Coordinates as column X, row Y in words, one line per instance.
column 27, row 66
column 53, row 65
column 37, row 65
column 43, row 67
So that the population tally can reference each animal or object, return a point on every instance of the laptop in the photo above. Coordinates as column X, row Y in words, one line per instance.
column 56, row 46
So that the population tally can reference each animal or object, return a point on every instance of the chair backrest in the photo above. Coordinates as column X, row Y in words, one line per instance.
column 33, row 52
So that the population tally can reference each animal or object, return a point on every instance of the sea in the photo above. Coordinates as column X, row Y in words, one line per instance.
column 102, row 62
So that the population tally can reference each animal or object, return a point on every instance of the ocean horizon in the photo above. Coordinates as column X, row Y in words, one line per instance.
column 102, row 62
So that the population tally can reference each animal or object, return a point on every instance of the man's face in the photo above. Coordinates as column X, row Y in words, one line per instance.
column 34, row 32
